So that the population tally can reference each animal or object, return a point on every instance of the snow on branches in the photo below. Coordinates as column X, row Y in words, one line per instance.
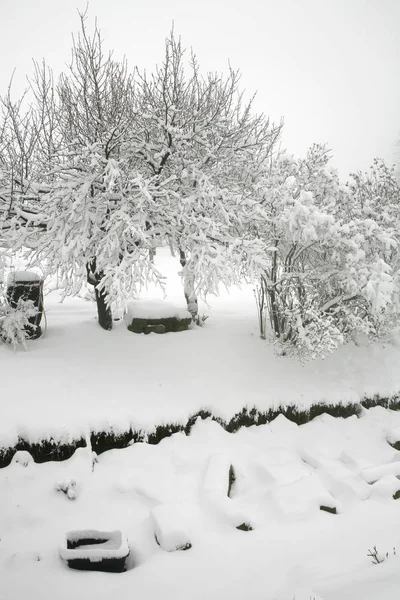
column 333, row 252
column 106, row 165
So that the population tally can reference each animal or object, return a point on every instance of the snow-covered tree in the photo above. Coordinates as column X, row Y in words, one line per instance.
column 195, row 135
column 331, row 267
column 85, row 221
column 120, row 168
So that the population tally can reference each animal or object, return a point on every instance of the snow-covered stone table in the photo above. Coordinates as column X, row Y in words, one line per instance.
column 156, row 316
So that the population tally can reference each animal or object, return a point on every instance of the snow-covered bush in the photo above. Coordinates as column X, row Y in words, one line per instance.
column 68, row 487
column 333, row 265
column 14, row 322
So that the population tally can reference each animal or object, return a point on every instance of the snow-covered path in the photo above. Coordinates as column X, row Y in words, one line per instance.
column 284, row 473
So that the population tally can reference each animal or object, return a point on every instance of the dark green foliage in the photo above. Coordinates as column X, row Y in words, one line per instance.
column 245, row 418
column 396, row 495
column 108, row 440
column 6, row 455
column 164, row 431
column 244, row 527
column 50, row 449
column 328, row 509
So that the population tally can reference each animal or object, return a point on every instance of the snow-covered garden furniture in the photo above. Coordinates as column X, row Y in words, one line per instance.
column 26, row 285
column 156, row 316
column 92, row 550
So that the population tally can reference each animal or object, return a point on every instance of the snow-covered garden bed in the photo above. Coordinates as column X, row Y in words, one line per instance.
column 177, row 491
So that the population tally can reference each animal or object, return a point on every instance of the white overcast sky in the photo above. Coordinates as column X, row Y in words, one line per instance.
column 329, row 67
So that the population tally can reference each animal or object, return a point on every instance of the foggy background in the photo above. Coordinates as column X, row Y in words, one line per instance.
column 330, row 68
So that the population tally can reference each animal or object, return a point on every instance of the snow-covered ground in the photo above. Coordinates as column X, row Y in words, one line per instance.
column 178, row 490
column 78, row 377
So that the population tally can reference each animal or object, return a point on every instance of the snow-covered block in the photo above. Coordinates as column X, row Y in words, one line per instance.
column 355, row 461
column 301, row 498
column 386, row 487
column 289, row 472
column 169, row 530
column 217, row 483
column 262, row 471
column 23, row 458
column 219, row 475
column 92, row 550
column 374, row 473
column 344, row 487
column 157, row 316
column 22, row 277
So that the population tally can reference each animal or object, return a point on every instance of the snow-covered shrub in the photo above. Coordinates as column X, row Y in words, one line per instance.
column 14, row 322
column 332, row 250
column 67, row 486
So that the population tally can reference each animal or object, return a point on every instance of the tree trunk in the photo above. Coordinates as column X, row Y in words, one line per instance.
column 188, row 287
column 104, row 312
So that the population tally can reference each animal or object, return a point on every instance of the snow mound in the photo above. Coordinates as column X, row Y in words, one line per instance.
column 301, row 498
column 216, row 478
column 23, row 458
column 169, row 530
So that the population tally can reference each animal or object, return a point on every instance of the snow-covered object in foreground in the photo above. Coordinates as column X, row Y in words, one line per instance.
column 154, row 309
column 92, row 550
column 169, row 530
